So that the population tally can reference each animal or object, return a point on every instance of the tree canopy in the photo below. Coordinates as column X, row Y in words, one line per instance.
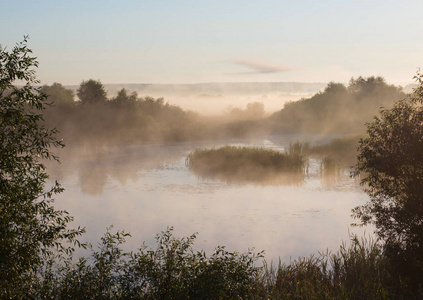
column 122, row 98
column 391, row 159
column 91, row 91
column 59, row 95
column 337, row 109
column 30, row 228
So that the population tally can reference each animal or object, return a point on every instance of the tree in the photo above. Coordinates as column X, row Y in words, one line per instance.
column 365, row 85
column 91, row 91
column 122, row 98
column 63, row 108
column 391, row 157
column 254, row 110
column 59, row 95
column 30, row 228
column 338, row 109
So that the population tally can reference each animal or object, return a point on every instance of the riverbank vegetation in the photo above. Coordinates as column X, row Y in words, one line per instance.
column 246, row 164
column 127, row 117
column 37, row 246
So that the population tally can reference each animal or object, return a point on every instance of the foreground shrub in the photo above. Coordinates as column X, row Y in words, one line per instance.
column 245, row 164
column 172, row 271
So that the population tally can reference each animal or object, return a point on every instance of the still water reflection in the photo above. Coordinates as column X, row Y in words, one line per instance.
column 144, row 189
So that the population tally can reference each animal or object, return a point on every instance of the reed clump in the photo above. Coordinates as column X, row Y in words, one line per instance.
column 230, row 163
column 357, row 271
column 341, row 150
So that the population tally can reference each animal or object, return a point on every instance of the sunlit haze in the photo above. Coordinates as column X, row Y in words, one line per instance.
column 217, row 41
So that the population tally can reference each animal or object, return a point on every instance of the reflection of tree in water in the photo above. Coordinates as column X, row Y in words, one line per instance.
column 123, row 175
column 330, row 180
column 92, row 179
column 339, row 178
column 95, row 165
column 330, row 171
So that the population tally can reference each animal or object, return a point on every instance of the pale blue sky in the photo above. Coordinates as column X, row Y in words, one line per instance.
column 214, row 41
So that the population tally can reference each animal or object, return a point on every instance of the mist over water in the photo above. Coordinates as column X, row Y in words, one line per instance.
column 125, row 163
column 145, row 188
column 216, row 98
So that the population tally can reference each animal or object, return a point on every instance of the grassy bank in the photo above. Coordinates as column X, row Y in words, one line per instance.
column 245, row 164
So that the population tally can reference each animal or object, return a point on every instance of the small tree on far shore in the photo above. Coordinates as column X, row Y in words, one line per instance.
column 91, row 91
column 59, row 95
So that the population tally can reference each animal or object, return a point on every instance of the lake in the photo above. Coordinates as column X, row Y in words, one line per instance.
column 145, row 188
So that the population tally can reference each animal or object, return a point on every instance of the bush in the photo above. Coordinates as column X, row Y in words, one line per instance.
column 172, row 271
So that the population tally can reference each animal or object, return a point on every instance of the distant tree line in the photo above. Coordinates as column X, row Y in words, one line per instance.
column 125, row 117
column 337, row 109
column 130, row 118
column 253, row 110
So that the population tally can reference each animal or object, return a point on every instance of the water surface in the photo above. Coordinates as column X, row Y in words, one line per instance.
column 144, row 189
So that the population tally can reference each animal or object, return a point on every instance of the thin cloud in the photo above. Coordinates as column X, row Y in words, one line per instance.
column 260, row 67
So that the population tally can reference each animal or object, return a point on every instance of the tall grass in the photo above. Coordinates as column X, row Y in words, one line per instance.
column 358, row 271
column 246, row 164
column 343, row 150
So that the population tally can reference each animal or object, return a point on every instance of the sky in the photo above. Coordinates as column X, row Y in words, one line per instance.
column 183, row 41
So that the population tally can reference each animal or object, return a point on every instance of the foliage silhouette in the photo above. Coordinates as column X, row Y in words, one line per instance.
column 91, row 91
column 31, row 229
column 171, row 271
column 391, row 159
